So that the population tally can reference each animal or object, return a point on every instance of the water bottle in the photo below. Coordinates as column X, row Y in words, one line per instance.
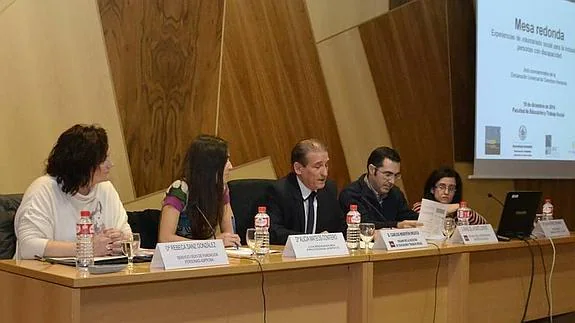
column 84, row 242
column 547, row 210
column 463, row 214
column 262, row 234
column 353, row 218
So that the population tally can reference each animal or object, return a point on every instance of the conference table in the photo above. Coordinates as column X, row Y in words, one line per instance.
column 448, row 283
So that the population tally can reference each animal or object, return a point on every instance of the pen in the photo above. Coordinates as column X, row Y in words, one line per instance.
column 234, row 229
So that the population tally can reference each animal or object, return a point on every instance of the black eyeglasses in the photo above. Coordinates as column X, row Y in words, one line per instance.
column 389, row 175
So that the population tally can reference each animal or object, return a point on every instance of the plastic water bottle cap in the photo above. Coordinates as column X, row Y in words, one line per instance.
column 84, row 213
column 261, row 209
column 462, row 204
column 353, row 207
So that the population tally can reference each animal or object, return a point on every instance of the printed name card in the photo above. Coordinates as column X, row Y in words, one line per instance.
column 315, row 245
column 551, row 229
column 474, row 234
column 398, row 239
column 189, row 254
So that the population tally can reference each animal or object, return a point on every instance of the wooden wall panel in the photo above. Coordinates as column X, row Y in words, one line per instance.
column 407, row 53
column 561, row 192
column 461, row 33
column 330, row 17
column 397, row 3
column 273, row 91
column 164, row 57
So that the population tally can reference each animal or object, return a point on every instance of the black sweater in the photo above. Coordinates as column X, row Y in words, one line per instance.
column 392, row 210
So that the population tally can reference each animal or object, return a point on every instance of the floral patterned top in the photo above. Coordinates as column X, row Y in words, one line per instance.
column 177, row 197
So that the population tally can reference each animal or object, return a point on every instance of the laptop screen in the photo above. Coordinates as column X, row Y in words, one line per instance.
column 518, row 214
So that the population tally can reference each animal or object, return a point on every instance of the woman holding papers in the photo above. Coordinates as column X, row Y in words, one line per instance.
column 197, row 206
column 76, row 179
column 444, row 185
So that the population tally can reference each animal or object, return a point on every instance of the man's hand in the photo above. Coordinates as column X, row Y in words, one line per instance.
column 408, row 224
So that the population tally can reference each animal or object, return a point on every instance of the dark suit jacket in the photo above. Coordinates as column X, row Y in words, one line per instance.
column 392, row 210
column 287, row 213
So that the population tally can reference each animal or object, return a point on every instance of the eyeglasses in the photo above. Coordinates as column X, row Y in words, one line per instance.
column 446, row 188
column 389, row 175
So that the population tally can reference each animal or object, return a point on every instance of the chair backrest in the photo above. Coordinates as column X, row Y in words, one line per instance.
column 245, row 197
column 146, row 223
column 8, row 206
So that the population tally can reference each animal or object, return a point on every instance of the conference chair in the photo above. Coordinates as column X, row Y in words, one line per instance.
column 8, row 206
column 245, row 197
column 146, row 223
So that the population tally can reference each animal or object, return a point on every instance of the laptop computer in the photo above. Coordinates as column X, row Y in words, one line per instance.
column 518, row 214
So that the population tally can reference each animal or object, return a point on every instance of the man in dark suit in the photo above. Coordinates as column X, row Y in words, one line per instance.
column 377, row 198
column 304, row 201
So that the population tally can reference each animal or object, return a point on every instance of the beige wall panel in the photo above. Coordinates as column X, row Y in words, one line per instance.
column 355, row 104
column 475, row 193
column 261, row 168
column 55, row 74
column 329, row 17
column 150, row 201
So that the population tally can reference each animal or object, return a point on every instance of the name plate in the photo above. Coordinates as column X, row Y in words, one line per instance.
column 315, row 245
column 189, row 254
column 474, row 234
column 551, row 229
column 399, row 239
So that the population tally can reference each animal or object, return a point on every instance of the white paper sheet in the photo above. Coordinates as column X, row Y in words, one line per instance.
column 432, row 214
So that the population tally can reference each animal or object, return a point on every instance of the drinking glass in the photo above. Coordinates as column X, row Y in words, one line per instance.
column 136, row 243
column 366, row 233
column 538, row 217
column 128, row 249
column 448, row 227
column 251, row 239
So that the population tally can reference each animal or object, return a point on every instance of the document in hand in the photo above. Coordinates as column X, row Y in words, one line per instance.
column 432, row 214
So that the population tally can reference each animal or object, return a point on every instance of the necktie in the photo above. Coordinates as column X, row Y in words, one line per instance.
column 310, row 213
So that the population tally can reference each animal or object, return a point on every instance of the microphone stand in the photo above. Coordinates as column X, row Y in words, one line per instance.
column 205, row 219
column 489, row 195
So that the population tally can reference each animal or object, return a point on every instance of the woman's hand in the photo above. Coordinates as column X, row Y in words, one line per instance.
column 102, row 245
column 230, row 239
column 116, row 236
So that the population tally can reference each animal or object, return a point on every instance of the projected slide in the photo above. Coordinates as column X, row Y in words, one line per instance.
column 525, row 80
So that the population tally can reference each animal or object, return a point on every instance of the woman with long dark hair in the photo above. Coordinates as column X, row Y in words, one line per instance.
column 444, row 185
column 76, row 179
column 197, row 206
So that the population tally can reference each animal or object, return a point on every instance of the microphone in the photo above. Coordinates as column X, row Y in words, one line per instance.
column 489, row 195
column 205, row 219
column 374, row 208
